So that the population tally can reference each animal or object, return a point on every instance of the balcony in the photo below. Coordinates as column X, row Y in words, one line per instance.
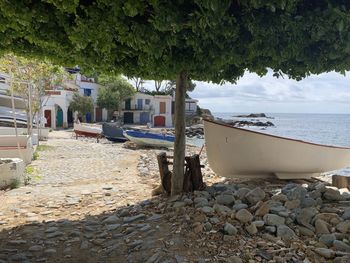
column 138, row 108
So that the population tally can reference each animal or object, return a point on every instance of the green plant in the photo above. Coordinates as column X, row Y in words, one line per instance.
column 50, row 130
column 29, row 170
column 35, row 155
column 82, row 104
column 15, row 183
column 43, row 147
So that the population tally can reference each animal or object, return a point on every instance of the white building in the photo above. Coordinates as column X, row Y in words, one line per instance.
column 143, row 108
column 56, row 102
column 191, row 106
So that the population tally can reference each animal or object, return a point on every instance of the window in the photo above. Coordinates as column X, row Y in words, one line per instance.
column 147, row 101
column 87, row 92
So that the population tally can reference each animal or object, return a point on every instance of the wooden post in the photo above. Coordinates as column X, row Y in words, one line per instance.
column 340, row 181
column 165, row 174
column 180, row 137
column 196, row 173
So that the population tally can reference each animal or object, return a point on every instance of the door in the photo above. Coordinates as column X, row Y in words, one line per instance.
column 139, row 104
column 144, row 117
column 47, row 114
column 98, row 114
column 88, row 117
column 128, row 117
column 159, row 121
column 59, row 118
column 162, row 107
column 128, row 104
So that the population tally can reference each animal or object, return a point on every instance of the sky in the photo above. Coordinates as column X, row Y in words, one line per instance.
column 324, row 93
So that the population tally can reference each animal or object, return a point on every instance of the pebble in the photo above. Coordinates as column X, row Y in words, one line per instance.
column 327, row 239
column 251, row 229
column 346, row 214
column 273, row 220
column 230, row 229
column 306, row 231
column 321, row 227
column 111, row 219
column 325, row 252
column 342, row 246
column 244, row 216
column 333, row 195
column 255, row 195
column 133, row 218
column 224, row 199
column 285, row 232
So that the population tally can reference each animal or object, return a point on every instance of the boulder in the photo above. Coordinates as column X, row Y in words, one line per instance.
column 244, row 216
column 255, row 195
column 225, row 199
column 273, row 220
column 304, row 216
column 285, row 232
column 321, row 227
column 333, row 195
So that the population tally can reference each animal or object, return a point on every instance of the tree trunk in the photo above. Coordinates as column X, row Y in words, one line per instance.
column 180, row 137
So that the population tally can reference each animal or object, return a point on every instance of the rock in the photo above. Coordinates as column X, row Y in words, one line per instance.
column 305, row 231
column 154, row 217
column 111, row 227
column 294, row 191
column 235, row 259
column 259, row 223
column 207, row 209
column 343, row 227
column 244, row 216
column 255, row 195
column 333, row 195
column 51, row 229
column 221, row 208
column 241, row 193
column 50, row 251
column 273, row 220
column 279, row 197
column 230, row 229
column 285, row 232
column 344, row 259
column 251, row 229
column 321, row 227
column 55, row 234
column 305, row 215
column 325, row 252
column 113, row 219
column 225, row 199
column 263, row 209
column 188, row 201
column 133, row 218
column 238, row 207
column 208, row 226
column 179, row 204
column 200, row 202
column 135, row 244
column 36, row 248
column 340, row 245
column 292, row 204
column 327, row 239
column 214, row 220
column 271, row 229
column 308, row 202
column 346, row 214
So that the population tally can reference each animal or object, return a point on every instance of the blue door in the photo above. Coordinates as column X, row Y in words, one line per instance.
column 144, row 117
column 88, row 117
column 139, row 104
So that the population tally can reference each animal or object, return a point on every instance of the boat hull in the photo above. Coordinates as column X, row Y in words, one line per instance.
column 87, row 130
column 113, row 132
column 10, row 149
column 235, row 152
column 150, row 139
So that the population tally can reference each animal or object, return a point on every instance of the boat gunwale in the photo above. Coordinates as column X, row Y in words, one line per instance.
column 278, row 137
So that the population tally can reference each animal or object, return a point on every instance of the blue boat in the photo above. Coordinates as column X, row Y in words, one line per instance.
column 113, row 132
column 150, row 139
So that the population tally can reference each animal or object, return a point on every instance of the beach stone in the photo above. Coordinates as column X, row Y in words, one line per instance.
column 321, row 227
column 207, row 209
column 271, row 229
column 333, row 195
column 230, row 229
column 251, row 229
column 280, row 198
column 111, row 220
column 344, row 259
column 235, row 259
column 238, row 207
column 244, row 216
column 225, row 199
column 292, row 204
column 273, row 220
column 346, row 214
column 259, row 223
column 188, row 201
column 133, row 218
column 221, row 208
column 305, row 215
column 328, row 217
column 325, row 252
column 305, row 231
column 36, row 248
column 343, row 227
column 111, row 227
column 200, row 202
column 179, row 204
column 255, row 195
column 50, row 251
column 308, row 202
column 55, row 234
column 327, row 239
column 342, row 246
column 208, row 226
column 214, row 220
column 285, row 232
column 241, row 193
column 294, row 191
column 263, row 209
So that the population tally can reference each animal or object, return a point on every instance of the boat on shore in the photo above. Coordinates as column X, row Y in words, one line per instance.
column 12, row 146
column 145, row 138
column 87, row 130
column 113, row 132
column 236, row 152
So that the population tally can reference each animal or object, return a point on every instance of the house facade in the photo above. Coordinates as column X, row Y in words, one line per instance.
column 143, row 108
column 56, row 102
column 191, row 106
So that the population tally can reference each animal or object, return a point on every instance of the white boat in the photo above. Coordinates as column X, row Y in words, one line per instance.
column 236, row 152
column 87, row 130
column 12, row 146
column 150, row 139
column 11, row 170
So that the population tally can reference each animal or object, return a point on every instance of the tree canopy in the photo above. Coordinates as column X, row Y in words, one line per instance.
column 82, row 104
column 115, row 89
column 212, row 40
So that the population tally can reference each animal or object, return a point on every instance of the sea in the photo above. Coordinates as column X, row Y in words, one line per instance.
column 329, row 129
